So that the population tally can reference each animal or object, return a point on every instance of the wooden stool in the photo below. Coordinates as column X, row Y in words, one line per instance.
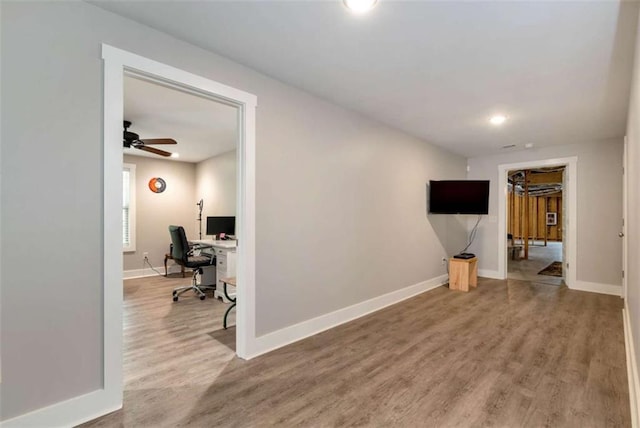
column 167, row 256
column 463, row 273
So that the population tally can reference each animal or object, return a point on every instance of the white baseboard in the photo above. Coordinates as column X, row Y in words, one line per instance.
column 141, row 273
column 632, row 367
column 487, row 273
column 69, row 413
column 596, row 287
column 302, row 330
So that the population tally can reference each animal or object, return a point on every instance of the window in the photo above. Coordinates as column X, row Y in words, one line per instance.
column 128, row 207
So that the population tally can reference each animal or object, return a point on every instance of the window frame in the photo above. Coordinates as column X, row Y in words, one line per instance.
column 132, row 208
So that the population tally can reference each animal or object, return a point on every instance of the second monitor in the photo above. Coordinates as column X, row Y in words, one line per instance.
column 219, row 225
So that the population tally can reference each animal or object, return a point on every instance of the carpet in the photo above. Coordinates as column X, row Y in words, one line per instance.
column 554, row 269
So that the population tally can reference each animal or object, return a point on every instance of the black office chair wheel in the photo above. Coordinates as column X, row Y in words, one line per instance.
column 203, row 297
column 175, row 298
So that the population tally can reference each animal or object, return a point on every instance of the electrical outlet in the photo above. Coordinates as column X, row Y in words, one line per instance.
column 444, row 261
column 146, row 254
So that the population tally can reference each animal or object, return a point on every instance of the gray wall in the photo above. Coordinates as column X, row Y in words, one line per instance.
column 633, row 199
column 340, row 199
column 599, row 212
column 156, row 211
column 216, row 185
column 342, row 215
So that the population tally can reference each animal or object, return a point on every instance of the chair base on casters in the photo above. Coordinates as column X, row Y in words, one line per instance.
column 198, row 289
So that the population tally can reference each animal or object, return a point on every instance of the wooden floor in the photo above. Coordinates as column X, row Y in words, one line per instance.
column 167, row 343
column 507, row 354
column 540, row 256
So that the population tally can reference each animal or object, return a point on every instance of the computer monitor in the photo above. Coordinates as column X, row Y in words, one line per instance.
column 218, row 225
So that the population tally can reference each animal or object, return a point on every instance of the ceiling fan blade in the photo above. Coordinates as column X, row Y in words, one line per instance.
column 153, row 150
column 159, row 141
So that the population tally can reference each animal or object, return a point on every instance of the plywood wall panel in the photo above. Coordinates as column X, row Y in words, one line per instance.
column 538, row 208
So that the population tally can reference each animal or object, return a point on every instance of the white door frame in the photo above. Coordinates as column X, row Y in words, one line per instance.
column 625, row 217
column 116, row 63
column 570, row 186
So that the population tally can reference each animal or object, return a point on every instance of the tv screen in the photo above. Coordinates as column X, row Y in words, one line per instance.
column 218, row 225
column 459, row 197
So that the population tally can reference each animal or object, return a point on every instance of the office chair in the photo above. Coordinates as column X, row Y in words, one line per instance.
column 184, row 257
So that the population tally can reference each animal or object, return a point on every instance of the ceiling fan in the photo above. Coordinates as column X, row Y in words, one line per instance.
column 131, row 139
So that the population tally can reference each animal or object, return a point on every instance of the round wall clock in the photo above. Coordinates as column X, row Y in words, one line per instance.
column 157, row 185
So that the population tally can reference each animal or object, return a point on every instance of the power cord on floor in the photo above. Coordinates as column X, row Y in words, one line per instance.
column 146, row 260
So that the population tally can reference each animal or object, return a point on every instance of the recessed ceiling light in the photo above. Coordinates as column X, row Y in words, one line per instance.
column 360, row 6
column 175, row 155
column 498, row 119
column 528, row 146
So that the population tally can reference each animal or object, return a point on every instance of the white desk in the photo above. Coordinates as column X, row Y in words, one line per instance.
column 216, row 244
column 225, row 252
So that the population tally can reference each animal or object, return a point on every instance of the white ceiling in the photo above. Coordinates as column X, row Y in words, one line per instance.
column 560, row 71
column 202, row 127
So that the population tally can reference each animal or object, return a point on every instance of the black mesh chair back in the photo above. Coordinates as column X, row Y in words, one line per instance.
column 181, row 254
column 180, row 249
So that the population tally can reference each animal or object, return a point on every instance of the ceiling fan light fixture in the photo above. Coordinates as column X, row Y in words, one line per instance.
column 132, row 140
column 360, row 6
column 175, row 155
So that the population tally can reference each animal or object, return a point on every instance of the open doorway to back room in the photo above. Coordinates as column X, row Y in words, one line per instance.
column 535, row 219
column 180, row 196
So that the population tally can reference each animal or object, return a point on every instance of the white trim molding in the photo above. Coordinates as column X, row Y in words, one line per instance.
column 632, row 367
column 571, row 189
column 73, row 412
column 147, row 272
column 117, row 63
column 625, row 218
column 488, row 273
column 597, row 287
column 304, row 329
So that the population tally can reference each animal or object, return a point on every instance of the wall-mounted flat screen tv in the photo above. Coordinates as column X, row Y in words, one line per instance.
column 459, row 197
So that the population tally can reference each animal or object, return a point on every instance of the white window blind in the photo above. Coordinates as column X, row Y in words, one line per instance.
column 128, row 207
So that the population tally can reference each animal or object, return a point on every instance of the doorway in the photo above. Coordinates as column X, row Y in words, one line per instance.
column 116, row 63
column 180, row 168
column 568, row 215
column 535, row 222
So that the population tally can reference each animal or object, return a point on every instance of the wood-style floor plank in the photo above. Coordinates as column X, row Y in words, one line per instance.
column 507, row 354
